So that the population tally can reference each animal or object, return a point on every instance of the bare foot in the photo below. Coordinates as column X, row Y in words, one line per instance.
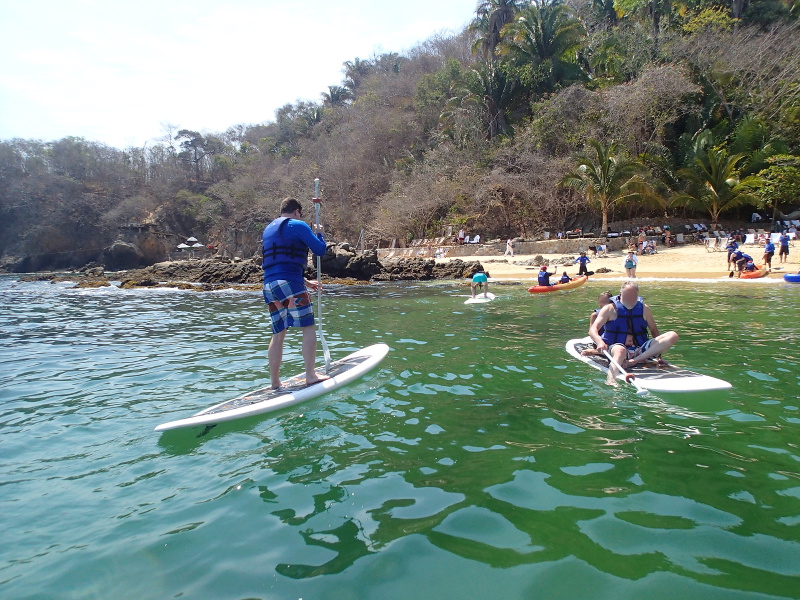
column 611, row 382
column 277, row 387
column 317, row 380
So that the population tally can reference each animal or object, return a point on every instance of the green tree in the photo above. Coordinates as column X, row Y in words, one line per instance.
column 491, row 17
column 608, row 179
column 779, row 183
column 713, row 184
column 336, row 96
column 544, row 41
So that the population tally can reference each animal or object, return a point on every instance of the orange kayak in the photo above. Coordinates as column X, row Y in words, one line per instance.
column 574, row 283
column 762, row 270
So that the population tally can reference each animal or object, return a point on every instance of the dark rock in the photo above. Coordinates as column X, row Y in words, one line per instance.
column 603, row 270
column 122, row 255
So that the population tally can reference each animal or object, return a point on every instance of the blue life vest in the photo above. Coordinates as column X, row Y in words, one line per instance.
column 628, row 322
column 564, row 278
column 544, row 278
column 276, row 248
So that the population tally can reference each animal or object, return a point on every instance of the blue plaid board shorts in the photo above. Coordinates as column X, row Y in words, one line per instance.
column 289, row 304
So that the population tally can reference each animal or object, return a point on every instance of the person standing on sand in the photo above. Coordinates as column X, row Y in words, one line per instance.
column 626, row 321
column 583, row 260
column 284, row 248
column 630, row 264
column 769, row 252
column 509, row 247
column 783, row 253
column 731, row 248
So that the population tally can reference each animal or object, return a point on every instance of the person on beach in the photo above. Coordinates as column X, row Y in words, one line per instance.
column 480, row 280
column 564, row 278
column 668, row 242
column 630, row 263
column 738, row 261
column 641, row 242
column 769, row 252
column 509, row 247
column 602, row 300
column 284, row 248
column 583, row 260
column 625, row 322
column 783, row 242
column 461, row 235
column 731, row 247
column 544, row 277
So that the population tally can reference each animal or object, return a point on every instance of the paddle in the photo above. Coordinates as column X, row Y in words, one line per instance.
column 325, row 349
column 629, row 377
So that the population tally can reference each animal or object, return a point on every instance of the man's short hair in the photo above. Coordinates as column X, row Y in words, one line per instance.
column 289, row 205
column 627, row 284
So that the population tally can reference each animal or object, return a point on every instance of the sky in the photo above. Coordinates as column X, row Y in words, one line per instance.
column 115, row 72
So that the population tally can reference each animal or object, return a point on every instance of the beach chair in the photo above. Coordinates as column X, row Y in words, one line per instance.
column 711, row 244
column 749, row 238
column 679, row 238
column 795, row 222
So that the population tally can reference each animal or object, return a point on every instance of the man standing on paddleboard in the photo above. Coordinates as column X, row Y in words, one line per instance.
column 284, row 247
column 625, row 322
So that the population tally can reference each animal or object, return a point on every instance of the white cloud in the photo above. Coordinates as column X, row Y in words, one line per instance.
column 112, row 72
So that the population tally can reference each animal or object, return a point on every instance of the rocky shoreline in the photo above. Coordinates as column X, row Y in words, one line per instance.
column 341, row 264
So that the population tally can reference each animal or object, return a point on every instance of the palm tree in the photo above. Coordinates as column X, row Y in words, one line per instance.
column 491, row 17
column 355, row 71
column 336, row 96
column 713, row 183
column 545, row 38
column 490, row 88
column 608, row 179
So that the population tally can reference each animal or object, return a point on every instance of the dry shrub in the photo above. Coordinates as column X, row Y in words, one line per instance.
column 637, row 113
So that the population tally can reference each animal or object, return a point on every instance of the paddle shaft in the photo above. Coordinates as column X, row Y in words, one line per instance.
column 629, row 377
column 325, row 349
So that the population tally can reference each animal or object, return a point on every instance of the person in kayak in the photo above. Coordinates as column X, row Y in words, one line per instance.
column 284, row 249
column 564, row 278
column 626, row 321
column 544, row 277
column 480, row 280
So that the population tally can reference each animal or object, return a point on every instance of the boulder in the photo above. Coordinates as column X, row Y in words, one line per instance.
column 122, row 255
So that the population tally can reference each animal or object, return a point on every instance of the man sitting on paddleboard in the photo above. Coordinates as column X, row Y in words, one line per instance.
column 284, row 246
column 625, row 316
column 544, row 276
column 480, row 280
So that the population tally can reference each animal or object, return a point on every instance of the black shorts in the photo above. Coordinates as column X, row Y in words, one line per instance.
column 784, row 251
column 768, row 256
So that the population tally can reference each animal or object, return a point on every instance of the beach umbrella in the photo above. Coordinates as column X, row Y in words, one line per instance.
column 181, row 246
column 198, row 245
column 191, row 239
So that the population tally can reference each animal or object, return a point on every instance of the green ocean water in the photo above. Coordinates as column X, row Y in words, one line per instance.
column 478, row 461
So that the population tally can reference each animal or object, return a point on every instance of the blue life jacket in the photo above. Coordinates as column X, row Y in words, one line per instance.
column 278, row 249
column 544, row 278
column 627, row 322
column 564, row 278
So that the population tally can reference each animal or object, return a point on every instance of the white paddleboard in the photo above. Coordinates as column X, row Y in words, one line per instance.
column 656, row 379
column 294, row 391
column 480, row 298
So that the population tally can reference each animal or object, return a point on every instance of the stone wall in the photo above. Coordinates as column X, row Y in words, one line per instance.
column 564, row 246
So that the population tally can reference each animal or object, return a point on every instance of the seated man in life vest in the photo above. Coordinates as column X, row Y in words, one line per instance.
column 544, row 277
column 627, row 315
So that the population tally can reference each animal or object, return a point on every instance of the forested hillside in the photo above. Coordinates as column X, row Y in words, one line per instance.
column 539, row 115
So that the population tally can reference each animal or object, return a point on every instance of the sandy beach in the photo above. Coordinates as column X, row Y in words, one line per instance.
column 681, row 262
